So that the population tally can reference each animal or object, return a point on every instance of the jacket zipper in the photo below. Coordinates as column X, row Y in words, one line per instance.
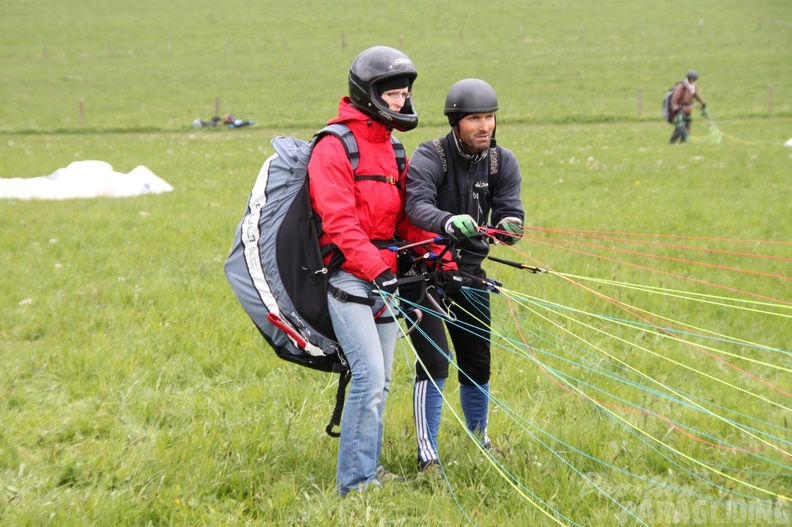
column 471, row 193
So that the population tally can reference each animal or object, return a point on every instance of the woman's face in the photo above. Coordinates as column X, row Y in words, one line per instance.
column 396, row 99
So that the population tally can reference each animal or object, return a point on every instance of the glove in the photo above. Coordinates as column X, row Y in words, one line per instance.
column 510, row 230
column 386, row 282
column 452, row 281
column 460, row 227
column 703, row 106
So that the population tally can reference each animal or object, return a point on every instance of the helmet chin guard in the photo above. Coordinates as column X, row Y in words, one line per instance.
column 372, row 67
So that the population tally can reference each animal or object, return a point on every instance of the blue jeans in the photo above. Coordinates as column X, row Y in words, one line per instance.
column 368, row 348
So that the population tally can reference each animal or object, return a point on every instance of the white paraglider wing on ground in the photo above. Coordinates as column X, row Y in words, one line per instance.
column 85, row 179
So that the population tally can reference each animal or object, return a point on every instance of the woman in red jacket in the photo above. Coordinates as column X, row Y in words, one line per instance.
column 358, row 209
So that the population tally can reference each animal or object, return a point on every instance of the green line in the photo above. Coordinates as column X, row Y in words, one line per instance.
column 677, row 363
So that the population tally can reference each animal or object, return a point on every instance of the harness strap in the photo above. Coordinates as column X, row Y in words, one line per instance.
column 343, row 133
column 384, row 179
column 494, row 168
column 335, row 420
column 343, row 296
column 400, row 153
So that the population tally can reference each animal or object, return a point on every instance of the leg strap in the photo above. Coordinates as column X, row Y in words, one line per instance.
column 335, row 420
column 343, row 296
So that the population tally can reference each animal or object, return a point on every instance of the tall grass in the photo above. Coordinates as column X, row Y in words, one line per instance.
column 133, row 389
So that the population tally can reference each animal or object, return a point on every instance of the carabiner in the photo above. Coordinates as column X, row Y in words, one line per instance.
column 445, row 308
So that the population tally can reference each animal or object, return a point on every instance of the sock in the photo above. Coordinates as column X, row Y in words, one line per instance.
column 475, row 405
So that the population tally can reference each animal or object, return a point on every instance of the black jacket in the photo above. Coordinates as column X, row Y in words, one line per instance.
column 466, row 188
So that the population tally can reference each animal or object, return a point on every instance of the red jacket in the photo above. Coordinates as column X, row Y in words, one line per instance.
column 355, row 212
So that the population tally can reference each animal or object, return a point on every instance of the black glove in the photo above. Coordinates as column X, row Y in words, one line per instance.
column 703, row 106
column 386, row 282
column 452, row 281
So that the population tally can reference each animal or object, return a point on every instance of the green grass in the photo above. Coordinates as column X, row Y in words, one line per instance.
column 147, row 66
column 134, row 390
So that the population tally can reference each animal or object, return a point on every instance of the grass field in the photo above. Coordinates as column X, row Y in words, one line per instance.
column 148, row 66
column 134, row 390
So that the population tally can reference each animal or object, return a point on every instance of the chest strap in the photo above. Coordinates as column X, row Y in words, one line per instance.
column 384, row 179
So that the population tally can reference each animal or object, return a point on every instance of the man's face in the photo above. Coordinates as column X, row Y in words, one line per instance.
column 475, row 131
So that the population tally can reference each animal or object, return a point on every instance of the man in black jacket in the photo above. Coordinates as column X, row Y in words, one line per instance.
column 456, row 186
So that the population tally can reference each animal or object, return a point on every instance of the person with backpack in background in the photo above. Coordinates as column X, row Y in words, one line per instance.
column 455, row 185
column 361, row 211
column 680, row 106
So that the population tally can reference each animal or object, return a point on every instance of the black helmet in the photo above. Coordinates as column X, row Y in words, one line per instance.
column 372, row 67
column 469, row 96
column 692, row 75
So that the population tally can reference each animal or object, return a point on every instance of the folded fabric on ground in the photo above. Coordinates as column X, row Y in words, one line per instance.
column 84, row 179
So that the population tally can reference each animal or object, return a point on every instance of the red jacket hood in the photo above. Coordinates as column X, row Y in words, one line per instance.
column 361, row 124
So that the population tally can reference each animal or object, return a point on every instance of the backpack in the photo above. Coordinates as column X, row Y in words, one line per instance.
column 667, row 102
column 276, row 267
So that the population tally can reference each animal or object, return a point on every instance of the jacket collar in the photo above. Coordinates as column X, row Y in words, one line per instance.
column 471, row 159
column 361, row 124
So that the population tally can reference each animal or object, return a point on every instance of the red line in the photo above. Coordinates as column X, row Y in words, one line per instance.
column 624, row 308
column 672, row 259
column 786, row 302
column 689, row 248
column 732, row 240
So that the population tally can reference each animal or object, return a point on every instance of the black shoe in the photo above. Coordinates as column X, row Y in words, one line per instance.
column 431, row 470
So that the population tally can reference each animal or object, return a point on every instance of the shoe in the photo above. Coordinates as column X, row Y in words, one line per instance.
column 431, row 468
column 431, row 472
column 385, row 476
column 492, row 449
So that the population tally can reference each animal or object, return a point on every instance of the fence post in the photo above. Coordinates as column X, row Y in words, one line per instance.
column 640, row 99
column 217, row 106
column 82, row 112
